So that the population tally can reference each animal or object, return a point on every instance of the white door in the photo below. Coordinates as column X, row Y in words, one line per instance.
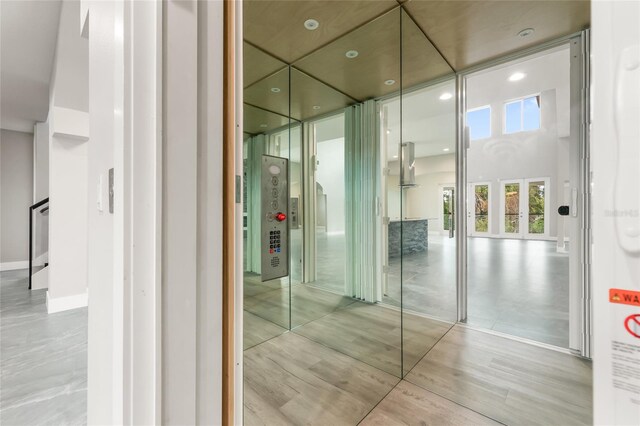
column 479, row 209
column 524, row 208
column 447, row 210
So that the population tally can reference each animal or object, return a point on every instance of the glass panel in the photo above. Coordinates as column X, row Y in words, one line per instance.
column 531, row 113
column 536, row 207
column 512, row 208
column 266, row 132
column 337, row 304
column 517, row 285
column 481, row 222
column 513, row 117
column 479, row 123
column 427, row 197
column 330, row 205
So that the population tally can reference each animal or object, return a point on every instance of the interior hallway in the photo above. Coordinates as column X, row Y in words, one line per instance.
column 43, row 357
column 467, row 377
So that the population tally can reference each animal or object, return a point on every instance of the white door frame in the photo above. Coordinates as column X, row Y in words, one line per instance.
column 580, row 228
column 441, row 188
column 523, row 223
column 471, row 209
column 521, row 209
column 547, row 217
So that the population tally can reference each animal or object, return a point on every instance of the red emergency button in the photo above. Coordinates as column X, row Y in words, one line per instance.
column 280, row 216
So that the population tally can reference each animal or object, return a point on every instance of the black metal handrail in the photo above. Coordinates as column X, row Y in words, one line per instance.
column 31, row 209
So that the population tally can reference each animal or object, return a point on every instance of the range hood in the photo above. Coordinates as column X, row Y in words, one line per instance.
column 407, row 165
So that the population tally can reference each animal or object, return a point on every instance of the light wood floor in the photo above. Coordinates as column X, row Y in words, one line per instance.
column 512, row 382
column 258, row 330
column 371, row 333
column 292, row 380
column 467, row 378
column 307, row 303
column 408, row 404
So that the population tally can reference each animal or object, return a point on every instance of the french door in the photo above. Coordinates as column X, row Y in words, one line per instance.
column 479, row 209
column 524, row 208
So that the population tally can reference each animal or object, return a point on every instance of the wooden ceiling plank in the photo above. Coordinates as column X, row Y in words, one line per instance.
column 471, row 32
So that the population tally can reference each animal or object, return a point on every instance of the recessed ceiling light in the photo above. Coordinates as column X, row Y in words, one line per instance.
column 395, row 156
column 446, row 150
column 275, row 89
column 526, row 32
column 263, row 125
column 351, row 54
column 390, row 82
column 388, row 131
column 311, row 24
column 445, row 96
column 516, row 76
column 316, row 107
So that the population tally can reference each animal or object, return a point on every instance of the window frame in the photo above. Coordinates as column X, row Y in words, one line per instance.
column 520, row 99
column 488, row 106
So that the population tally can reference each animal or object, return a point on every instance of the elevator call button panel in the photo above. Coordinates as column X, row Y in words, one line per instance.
column 275, row 221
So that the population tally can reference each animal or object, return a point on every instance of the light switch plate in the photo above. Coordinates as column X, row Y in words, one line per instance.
column 111, row 190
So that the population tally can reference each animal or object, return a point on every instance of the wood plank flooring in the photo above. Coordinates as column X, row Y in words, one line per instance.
column 509, row 381
column 292, row 380
column 408, row 404
column 371, row 333
column 258, row 330
column 307, row 303
column 466, row 378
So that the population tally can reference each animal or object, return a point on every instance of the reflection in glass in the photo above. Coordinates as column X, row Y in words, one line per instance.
column 330, row 205
column 536, row 207
column 447, row 208
column 481, row 206
column 512, row 208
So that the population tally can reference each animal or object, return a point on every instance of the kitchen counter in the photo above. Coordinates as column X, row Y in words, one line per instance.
column 414, row 236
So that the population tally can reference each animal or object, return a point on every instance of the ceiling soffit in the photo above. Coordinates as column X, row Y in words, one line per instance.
column 465, row 32
column 277, row 27
column 471, row 32
column 258, row 64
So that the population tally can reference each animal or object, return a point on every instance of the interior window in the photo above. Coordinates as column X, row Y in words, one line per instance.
column 522, row 115
column 479, row 122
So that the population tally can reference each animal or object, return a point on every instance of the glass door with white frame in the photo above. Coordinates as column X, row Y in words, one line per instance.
column 524, row 208
column 478, row 213
column 511, row 208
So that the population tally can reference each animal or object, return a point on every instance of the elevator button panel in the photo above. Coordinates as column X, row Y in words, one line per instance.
column 275, row 218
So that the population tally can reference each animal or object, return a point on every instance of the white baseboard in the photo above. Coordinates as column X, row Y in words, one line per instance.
column 60, row 304
column 12, row 266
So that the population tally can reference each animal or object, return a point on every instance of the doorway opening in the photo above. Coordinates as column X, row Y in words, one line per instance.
column 523, row 151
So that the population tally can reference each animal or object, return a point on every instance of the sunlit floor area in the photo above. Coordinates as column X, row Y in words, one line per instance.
column 43, row 358
column 466, row 377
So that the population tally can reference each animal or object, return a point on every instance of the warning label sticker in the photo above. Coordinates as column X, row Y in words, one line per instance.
column 632, row 325
column 626, row 368
column 624, row 297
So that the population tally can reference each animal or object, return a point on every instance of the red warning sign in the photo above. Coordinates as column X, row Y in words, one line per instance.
column 632, row 324
column 625, row 297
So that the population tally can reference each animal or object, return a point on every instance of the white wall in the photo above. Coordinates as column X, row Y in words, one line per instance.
column 67, row 220
column 330, row 174
column 68, row 165
column 16, row 189
column 535, row 154
column 422, row 201
column 40, row 161
column 616, row 209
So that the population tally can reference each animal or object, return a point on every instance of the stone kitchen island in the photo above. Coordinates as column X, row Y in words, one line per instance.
column 414, row 236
